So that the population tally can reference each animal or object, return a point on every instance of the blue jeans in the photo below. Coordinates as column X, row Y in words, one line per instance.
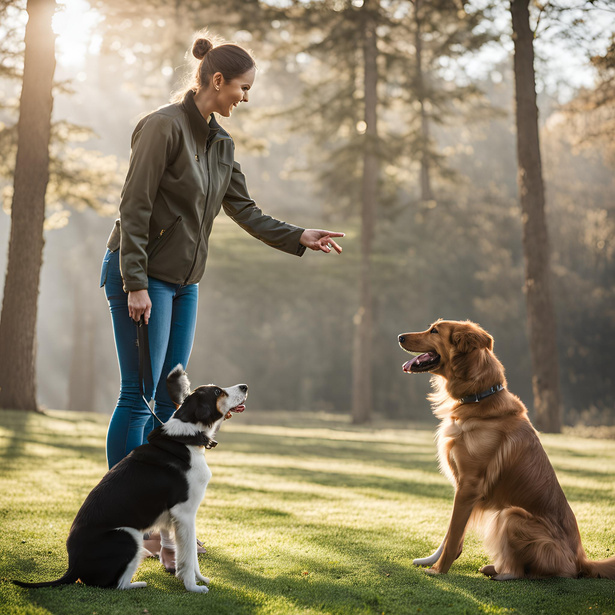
column 171, row 334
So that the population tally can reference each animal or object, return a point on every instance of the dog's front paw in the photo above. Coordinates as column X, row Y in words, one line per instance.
column 199, row 589
column 433, row 571
column 200, row 577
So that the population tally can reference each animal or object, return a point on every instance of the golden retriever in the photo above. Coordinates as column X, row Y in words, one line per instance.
column 491, row 453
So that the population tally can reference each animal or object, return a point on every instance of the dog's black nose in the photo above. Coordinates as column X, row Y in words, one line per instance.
column 402, row 339
column 243, row 387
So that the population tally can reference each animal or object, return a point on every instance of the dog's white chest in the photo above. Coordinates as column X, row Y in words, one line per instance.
column 198, row 475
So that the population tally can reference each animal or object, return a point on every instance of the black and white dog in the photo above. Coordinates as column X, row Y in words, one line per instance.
column 158, row 485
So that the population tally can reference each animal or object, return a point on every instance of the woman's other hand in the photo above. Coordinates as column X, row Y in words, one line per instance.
column 317, row 239
column 139, row 304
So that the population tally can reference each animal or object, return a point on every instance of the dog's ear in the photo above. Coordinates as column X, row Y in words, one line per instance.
column 468, row 337
column 199, row 407
column 178, row 385
column 207, row 412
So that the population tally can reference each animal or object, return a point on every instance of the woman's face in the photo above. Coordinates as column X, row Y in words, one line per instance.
column 230, row 93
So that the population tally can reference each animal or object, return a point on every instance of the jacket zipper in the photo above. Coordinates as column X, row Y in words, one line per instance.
column 164, row 234
column 198, row 243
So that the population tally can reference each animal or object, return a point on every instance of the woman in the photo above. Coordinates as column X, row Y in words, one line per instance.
column 182, row 171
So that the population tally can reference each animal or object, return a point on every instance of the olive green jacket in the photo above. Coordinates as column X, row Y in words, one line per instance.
column 182, row 171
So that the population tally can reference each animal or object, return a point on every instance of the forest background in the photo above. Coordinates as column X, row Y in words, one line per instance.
column 447, row 228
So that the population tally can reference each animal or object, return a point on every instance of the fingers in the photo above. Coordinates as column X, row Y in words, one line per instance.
column 336, row 247
column 136, row 313
column 330, row 243
column 133, row 313
column 326, row 243
column 321, row 240
column 139, row 304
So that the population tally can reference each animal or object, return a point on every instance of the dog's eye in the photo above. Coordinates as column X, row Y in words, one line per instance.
column 217, row 392
column 434, row 330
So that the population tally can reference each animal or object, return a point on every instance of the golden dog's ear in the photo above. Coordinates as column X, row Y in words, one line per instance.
column 471, row 337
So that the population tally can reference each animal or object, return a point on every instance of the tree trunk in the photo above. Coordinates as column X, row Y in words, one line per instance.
column 426, row 193
column 540, row 311
column 19, row 306
column 362, row 397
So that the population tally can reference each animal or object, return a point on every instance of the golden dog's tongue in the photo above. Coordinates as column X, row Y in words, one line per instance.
column 407, row 366
column 421, row 358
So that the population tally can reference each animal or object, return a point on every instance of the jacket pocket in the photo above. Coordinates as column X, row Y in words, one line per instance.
column 105, row 267
column 162, row 237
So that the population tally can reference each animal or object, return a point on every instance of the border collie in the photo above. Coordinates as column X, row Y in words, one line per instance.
column 159, row 484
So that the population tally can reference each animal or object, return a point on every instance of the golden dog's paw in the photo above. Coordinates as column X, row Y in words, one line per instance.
column 432, row 571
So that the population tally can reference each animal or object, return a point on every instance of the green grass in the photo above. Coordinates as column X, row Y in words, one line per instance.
column 304, row 514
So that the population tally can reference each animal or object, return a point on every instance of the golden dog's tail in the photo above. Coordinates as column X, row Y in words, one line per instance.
column 601, row 569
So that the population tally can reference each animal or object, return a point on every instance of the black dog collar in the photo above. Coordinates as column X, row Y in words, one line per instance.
column 198, row 439
column 210, row 443
column 474, row 399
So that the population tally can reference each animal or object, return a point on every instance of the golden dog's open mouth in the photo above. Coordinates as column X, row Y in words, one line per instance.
column 422, row 363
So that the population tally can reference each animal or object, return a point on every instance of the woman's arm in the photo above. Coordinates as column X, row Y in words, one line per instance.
column 281, row 235
column 242, row 209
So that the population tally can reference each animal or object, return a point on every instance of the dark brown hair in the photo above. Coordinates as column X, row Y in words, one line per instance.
column 229, row 59
column 215, row 57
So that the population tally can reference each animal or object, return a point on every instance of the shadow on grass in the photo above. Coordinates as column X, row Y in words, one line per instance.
column 15, row 423
column 405, row 456
column 598, row 475
column 23, row 430
column 362, row 482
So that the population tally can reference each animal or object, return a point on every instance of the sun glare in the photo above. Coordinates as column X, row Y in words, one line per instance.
column 75, row 26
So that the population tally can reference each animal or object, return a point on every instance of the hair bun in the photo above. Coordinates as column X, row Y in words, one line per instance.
column 201, row 47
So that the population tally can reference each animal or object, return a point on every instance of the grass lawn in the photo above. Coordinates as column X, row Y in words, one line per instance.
column 304, row 514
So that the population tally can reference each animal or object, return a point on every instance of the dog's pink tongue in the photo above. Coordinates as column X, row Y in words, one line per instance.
column 407, row 367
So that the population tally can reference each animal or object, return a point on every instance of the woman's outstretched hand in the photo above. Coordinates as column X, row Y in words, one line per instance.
column 317, row 239
column 139, row 304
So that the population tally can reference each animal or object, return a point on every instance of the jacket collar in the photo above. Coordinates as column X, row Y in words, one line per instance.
column 203, row 131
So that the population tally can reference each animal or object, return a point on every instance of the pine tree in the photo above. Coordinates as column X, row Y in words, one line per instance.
column 540, row 310
column 429, row 36
column 19, row 306
column 341, row 102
